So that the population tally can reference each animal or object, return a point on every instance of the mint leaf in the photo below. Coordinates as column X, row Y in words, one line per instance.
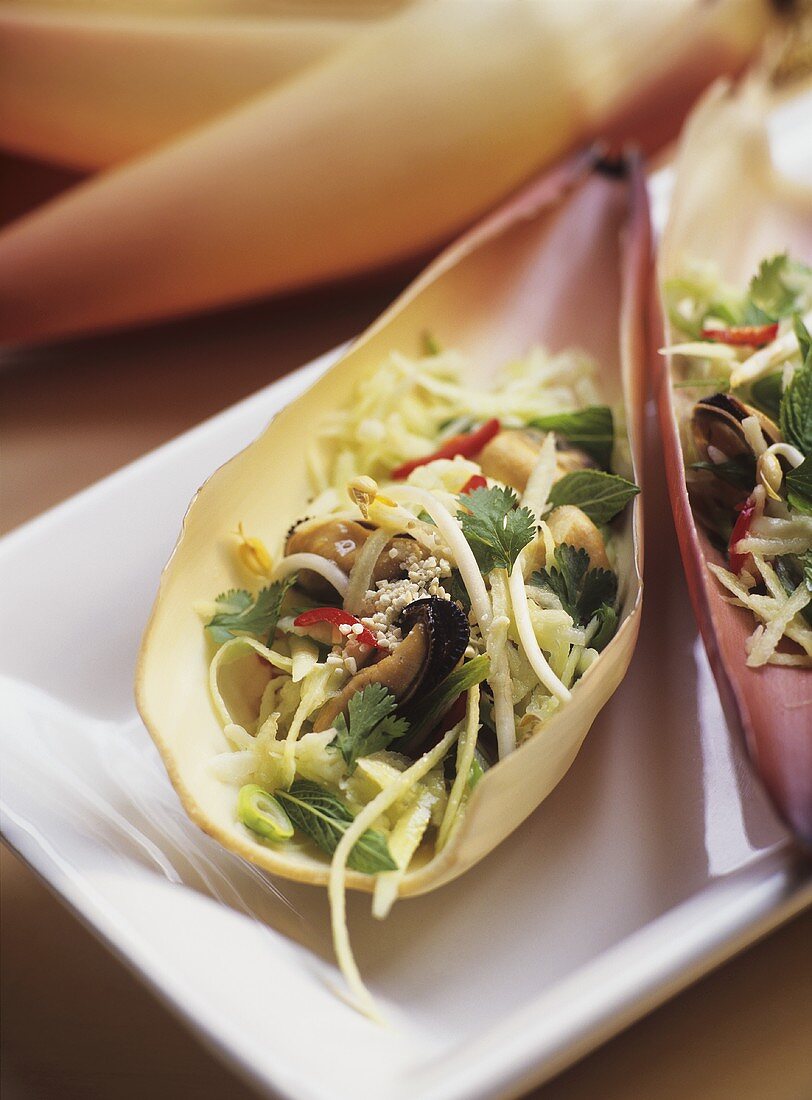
column 318, row 814
column 239, row 614
column 372, row 725
column 739, row 471
column 496, row 530
column 799, row 487
column 591, row 429
column 581, row 590
column 602, row 496
column 796, row 404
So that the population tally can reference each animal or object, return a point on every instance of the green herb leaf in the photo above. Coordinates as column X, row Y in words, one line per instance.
column 806, row 565
column 796, row 404
column 769, row 292
column 804, row 339
column 739, row 471
column 494, row 527
column 372, row 724
column 591, row 429
column 239, row 614
column 581, row 590
column 792, row 571
column 602, row 496
column 607, row 627
column 799, row 487
column 456, row 589
column 765, row 393
column 317, row 813
column 425, row 715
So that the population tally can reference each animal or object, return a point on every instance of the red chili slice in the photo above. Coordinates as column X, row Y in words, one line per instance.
column 754, row 336
column 741, row 529
column 336, row 617
column 476, row 481
column 468, row 444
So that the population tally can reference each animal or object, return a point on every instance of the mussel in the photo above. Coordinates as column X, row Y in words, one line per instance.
column 717, row 427
column 719, row 439
column 448, row 633
column 435, row 634
column 339, row 540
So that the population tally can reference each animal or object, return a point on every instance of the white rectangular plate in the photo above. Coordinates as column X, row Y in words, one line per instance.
column 654, row 860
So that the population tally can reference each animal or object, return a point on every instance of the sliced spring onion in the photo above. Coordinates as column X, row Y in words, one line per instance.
column 262, row 814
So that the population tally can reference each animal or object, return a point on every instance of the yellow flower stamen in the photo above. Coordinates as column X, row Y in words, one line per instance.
column 253, row 554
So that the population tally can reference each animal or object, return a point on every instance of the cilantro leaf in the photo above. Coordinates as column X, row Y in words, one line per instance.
column 234, row 601
column 769, row 292
column 318, row 814
column 591, row 429
column 372, row 724
column 607, row 627
column 457, row 591
column 495, row 528
column 796, row 404
column 799, row 487
column 239, row 614
column 581, row 590
column 602, row 496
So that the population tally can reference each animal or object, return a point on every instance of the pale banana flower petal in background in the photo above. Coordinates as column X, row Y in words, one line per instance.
column 88, row 90
column 379, row 152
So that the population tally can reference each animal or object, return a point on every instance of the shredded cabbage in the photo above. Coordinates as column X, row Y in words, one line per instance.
column 405, row 411
column 698, row 301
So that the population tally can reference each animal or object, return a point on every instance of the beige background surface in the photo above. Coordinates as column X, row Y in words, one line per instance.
column 75, row 1023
